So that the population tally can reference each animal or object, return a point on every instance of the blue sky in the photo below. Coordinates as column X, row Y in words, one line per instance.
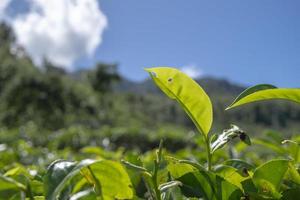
column 248, row 42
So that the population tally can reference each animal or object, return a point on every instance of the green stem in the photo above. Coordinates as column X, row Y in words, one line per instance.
column 155, row 171
column 97, row 184
column 154, row 179
column 296, row 154
column 146, row 177
column 209, row 154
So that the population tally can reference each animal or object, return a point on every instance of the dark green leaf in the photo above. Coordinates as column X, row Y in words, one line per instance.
column 239, row 164
column 203, row 184
column 291, row 194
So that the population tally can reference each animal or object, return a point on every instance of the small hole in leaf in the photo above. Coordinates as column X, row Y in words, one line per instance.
column 170, row 80
column 154, row 74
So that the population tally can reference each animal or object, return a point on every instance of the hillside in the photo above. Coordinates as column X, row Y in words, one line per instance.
column 256, row 117
column 53, row 99
column 213, row 86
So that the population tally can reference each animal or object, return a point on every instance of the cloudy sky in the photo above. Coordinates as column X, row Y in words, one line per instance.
column 248, row 42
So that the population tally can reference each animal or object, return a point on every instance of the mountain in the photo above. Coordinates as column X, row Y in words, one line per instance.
column 278, row 115
column 213, row 86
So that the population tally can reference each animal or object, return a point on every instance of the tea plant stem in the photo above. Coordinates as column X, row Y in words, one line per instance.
column 97, row 184
column 157, row 162
column 154, row 179
column 209, row 154
column 147, row 184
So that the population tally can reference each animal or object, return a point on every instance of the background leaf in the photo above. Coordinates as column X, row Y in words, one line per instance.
column 268, row 177
column 9, row 186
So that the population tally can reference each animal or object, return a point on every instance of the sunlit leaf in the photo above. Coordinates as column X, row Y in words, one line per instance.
column 109, row 177
column 266, row 92
column 232, row 175
column 187, row 93
column 112, row 178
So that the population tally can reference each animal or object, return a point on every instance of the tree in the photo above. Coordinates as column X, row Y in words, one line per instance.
column 103, row 77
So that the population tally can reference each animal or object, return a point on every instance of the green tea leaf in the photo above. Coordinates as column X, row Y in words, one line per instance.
column 202, row 183
column 266, row 92
column 253, row 89
column 113, row 179
column 232, row 175
column 238, row 164
column 270, row 145
column 293, row 174
column 7, row 183
column 191, row 97
column 109, row 176
column 268, row 177
column 291, row 194
column 10, row 187
column 59, row 173
column 194, row 183
column 293, row 147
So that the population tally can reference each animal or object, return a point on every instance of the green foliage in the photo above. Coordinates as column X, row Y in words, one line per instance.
column 225, row 182
column 175, row 178
column 103, row 77
column 110, row 180
column 188, row 94
column 58, row 175
column 267, row 181
column 203, row 184
column 53, row 98
column 266, row 92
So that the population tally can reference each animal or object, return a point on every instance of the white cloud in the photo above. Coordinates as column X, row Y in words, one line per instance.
column 192, row 71
column 62, row 31
column 3, row 5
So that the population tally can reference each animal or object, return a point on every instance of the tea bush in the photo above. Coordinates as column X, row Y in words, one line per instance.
column 228, row 165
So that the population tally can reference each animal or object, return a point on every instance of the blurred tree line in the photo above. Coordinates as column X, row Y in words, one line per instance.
column 53, row 98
